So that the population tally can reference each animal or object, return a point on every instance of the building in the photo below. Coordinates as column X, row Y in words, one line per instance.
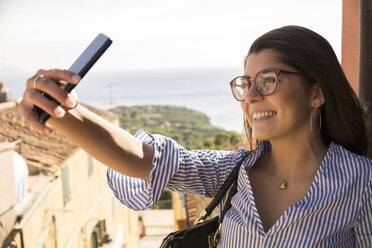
column 356, row 52
column 63, row 198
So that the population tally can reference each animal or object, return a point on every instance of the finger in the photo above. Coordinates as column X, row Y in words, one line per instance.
column 34, row 97
column 31, row 118
column 48, row 86
column 55, row 75
column 60, row 74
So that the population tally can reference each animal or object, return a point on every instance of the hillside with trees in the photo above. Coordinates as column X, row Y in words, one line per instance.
column 190, row 128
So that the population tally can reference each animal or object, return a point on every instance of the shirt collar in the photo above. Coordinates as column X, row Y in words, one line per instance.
column 264, row 146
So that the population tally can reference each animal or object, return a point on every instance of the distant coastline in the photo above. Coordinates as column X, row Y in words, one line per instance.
column 206, row 90
column 190, row 128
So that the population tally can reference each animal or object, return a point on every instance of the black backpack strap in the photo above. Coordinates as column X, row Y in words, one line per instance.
column 222, row 191
column 227, row 205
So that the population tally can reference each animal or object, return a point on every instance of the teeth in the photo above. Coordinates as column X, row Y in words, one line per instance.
column 257, row 116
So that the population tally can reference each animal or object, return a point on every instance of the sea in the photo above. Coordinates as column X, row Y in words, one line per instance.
column 203, row 89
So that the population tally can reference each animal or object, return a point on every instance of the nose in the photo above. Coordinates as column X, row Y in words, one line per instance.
column 252, row 95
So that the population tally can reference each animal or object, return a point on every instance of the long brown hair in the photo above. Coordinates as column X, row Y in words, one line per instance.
column 343, row 118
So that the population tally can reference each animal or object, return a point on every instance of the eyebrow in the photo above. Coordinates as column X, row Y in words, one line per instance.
column 245, row 75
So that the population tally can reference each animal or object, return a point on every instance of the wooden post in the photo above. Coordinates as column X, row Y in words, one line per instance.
column 365, row 59
column 350, row 41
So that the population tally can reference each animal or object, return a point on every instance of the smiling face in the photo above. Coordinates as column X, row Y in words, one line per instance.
column 285, row 113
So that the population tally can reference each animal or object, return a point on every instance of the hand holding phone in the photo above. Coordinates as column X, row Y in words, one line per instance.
column 81, row 66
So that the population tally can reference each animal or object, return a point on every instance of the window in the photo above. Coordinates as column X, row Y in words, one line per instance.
column 65, row 184
column 99, row 235
column 49, row 235
column 90, row 163
column 51, row 238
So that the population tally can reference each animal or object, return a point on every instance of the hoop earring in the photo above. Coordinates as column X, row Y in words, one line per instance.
column 315, row 135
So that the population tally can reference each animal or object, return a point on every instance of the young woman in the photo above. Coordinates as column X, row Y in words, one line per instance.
column 306, row 184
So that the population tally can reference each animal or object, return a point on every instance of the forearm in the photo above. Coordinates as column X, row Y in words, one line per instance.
column 106, row 142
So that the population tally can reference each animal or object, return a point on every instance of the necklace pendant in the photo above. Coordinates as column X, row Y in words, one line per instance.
column 284, row 185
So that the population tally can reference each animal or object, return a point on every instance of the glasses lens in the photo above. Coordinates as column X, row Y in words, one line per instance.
column 266, row 82
column 240, row 87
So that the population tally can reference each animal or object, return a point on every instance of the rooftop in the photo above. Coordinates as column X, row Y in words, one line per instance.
column 40, row 151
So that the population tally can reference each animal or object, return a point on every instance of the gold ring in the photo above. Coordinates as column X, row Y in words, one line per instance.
column 37, row 78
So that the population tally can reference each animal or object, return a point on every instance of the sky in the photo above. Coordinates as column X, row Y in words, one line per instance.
column 151, row 34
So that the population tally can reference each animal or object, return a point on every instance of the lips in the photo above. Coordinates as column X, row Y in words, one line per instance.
column 261, row 115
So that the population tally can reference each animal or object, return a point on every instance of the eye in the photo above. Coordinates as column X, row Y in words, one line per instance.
column 266, row 77
column 244, row 85
column 267, row 80
column 242, row 82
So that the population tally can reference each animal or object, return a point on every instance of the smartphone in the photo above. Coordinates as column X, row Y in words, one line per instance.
column 81, row 66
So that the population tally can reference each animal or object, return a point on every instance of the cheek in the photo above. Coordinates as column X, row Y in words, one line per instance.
column 294, row 108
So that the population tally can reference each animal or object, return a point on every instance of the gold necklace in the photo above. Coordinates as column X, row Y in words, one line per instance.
column 283, row 185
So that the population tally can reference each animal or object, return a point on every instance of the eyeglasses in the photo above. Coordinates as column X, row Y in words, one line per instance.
column 266, row 82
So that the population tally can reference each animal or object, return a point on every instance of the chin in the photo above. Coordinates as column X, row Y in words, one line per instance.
column 261, row 136
column 266, row 134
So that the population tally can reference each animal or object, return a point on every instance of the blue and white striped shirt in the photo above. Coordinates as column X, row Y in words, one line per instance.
column 336, row 211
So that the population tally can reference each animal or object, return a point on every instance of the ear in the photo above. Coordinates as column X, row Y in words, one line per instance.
column 317, row 97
